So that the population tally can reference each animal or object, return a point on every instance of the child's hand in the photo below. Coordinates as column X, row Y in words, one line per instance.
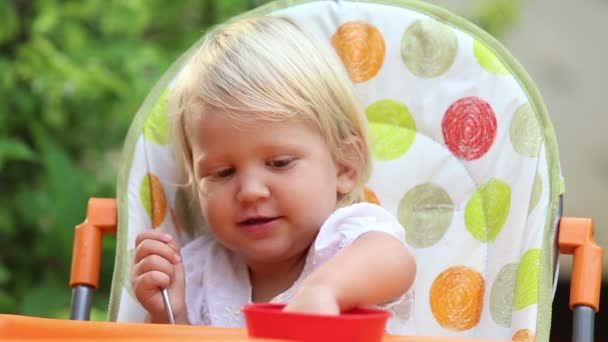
column 157, row 266
column 314, row 299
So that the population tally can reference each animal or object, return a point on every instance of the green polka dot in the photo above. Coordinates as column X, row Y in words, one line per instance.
column 145, row 194
column 525, row 132
column 156, row 128
column 488, row 60
column 428, row 48
column 487, row 210
column 426, row 213
column 390, row 112
column 392, row 128
column 526, row 290
column 537, row 190
column 501, row 296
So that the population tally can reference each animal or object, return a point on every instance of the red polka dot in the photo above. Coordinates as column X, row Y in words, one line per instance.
column 469, row 128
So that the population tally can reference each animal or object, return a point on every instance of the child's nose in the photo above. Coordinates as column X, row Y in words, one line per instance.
column 252, row 189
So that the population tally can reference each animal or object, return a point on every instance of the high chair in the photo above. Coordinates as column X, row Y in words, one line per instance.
column 465, row 156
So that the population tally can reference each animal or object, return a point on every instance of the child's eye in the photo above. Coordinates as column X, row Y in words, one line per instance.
column 223, row 173
column 280, row 163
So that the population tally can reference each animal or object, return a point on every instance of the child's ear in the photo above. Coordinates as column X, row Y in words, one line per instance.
column 348, row 172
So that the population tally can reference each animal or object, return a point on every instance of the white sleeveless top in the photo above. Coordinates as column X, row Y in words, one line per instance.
column 217, row 280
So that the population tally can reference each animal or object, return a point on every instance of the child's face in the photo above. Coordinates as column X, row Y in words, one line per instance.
column 266, row 188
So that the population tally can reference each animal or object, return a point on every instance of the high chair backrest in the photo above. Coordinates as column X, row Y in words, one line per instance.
column 465, row 157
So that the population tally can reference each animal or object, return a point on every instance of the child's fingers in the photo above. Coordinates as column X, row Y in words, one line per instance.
column 155, row 234
column 153, row 263
column 154, row 247
column 173, row 244
column 147, row 289
column 153, row 280
column 152, row 234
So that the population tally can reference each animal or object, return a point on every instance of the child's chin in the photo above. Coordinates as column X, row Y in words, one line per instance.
column 273, row 252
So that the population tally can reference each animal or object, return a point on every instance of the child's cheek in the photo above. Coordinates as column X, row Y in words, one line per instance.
column 212, row 198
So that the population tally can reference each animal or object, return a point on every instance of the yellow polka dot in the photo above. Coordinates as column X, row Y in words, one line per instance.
column 457, row 298
column 370, row 196
column 361, row 47
column 524, row 335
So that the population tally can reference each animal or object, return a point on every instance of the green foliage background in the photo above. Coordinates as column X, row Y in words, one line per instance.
column 72, row 74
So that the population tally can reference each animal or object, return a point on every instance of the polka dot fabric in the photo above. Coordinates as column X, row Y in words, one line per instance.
column 460, row 159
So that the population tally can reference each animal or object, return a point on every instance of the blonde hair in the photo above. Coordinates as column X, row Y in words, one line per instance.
column 268, row 68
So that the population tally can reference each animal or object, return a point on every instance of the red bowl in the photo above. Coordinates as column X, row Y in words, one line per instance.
column 269, row 321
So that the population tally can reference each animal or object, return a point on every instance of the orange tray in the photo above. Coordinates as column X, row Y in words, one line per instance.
column 13, row 327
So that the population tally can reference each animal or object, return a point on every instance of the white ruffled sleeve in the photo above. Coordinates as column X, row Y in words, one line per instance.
column 217, row 284
column 345, row 225
column 195, row 261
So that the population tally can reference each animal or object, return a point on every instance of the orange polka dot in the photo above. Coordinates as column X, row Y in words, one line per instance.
column 361, row 47
column 524, row 335
column 457, row 298
column 370, row 196
column 157, row 200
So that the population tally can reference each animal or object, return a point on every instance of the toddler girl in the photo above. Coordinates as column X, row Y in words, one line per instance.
column 272, row 139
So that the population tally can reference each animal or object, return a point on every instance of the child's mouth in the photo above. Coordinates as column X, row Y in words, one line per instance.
column 258, row 222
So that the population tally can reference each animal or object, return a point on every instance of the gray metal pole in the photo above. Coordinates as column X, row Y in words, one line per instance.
column 82, row 296
column 583, row 325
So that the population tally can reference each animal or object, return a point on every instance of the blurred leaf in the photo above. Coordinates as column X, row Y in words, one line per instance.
column 97, row 314
column 8, row 21
column 11, row 149
column 6, row 222
column 48, row 19
column 66, row 198
column 496, row 16
column 45, row 298
column 7, row 79
column 7, row 302
column 5, row 275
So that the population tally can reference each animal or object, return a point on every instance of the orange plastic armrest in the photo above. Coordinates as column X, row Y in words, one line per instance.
column 88, row 238
column 576, row 238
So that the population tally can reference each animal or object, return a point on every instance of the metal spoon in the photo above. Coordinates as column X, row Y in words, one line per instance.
column 168, row 308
